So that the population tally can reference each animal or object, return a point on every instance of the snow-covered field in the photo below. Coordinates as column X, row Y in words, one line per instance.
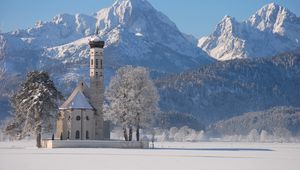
column 173, row 156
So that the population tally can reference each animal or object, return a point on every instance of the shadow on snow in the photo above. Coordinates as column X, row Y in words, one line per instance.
column 216, row 149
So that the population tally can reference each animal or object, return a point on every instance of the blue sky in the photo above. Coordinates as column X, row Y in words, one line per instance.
column 196, row 17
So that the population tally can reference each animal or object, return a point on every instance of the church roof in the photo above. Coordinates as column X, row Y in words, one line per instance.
column 77, row 99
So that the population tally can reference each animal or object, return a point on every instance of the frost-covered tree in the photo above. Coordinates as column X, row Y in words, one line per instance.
column 264, row 136
column 282, row 134
column 2, row 46
column 2, row 63
column 253, row 136
column 34, row 106
column 132, row 99
column 2, row 75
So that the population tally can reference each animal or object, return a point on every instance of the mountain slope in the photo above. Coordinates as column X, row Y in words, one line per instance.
column 271, row 30
column 226, row 89
column 271, row 120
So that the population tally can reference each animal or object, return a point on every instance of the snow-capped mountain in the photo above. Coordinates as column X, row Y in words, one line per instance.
column 271, row 30
column 135, row 33
column 278, row 20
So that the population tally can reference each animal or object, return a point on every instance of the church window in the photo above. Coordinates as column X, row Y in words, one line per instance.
column 77, row 117
column 87, row 135
column 77, row 135
column 68, row 135
column 92, row 62
column 87, row 118
column 97, row 63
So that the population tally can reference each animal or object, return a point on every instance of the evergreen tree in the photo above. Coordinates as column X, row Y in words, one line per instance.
column 35, row 107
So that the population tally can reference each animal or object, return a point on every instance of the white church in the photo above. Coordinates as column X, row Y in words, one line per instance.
column 81, row 115
column 80, row 123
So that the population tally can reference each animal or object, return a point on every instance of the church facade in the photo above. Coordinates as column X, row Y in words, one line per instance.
column 81, row 115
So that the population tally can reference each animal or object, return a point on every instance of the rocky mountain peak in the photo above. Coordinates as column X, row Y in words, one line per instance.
column 135, row 15
column 125, row 4
column 124, row 9
column 130, row 19
column 227, row 24
column 62, row 18
column 272, row 17
column 271, row 30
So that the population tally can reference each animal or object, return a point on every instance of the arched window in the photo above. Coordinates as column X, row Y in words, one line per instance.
column 92, row 62
column 87, row 118
column 87, row 135
column 77, row 134
column 68, row 135
column 77, row 117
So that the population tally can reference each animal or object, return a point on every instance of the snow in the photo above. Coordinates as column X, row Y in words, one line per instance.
column 138, row 34
column 173, row 156
column 79, row 102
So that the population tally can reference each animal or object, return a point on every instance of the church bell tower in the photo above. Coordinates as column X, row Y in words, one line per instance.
column 96, row 84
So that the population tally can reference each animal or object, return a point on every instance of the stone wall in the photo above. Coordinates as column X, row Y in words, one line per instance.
column 94, row 144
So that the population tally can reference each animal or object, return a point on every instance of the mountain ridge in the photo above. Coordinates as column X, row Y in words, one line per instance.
column 273, row 29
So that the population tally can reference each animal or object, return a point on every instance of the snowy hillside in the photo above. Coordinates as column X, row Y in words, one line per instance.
column 276, row 121
column 271, row 30
column 226, row 89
